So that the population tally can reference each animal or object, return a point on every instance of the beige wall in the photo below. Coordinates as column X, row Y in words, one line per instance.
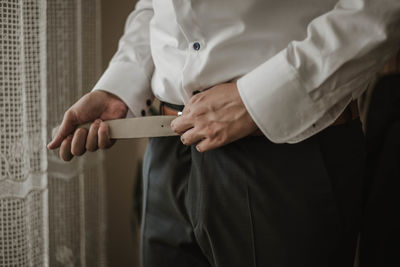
column 122, row 158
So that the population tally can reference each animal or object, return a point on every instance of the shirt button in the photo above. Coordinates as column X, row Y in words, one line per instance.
column 196, row 46
column 143, row 112
column 148, row 102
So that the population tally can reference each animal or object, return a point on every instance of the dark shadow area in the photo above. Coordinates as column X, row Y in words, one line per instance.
column 379, row 246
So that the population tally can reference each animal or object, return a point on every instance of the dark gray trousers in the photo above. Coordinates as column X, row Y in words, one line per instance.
column 253, row 202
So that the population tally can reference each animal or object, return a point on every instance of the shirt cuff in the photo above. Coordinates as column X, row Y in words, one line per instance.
column 130, row 83
column 276, row 100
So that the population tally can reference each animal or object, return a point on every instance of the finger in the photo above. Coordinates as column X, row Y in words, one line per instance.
column 65, row 149
column 207, row 144
column 66, row 128
column 92, row 138
column 191, row 137
column 103, row 136
column 78, row 142
column 186, row 109
column 54, row 131
column 181, row 124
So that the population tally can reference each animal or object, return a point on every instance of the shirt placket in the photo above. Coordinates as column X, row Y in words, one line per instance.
column 195, row 44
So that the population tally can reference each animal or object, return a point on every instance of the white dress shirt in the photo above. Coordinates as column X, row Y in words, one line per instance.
column 298, row 63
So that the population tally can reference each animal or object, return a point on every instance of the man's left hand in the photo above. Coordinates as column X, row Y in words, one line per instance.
column 213, row 118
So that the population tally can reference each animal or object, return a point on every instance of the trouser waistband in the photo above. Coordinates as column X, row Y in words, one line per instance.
column 349, row 114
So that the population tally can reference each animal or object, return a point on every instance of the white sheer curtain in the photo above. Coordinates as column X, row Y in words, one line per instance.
column 51, row 213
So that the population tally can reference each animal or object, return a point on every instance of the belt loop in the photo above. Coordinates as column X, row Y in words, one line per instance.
column 161, row 111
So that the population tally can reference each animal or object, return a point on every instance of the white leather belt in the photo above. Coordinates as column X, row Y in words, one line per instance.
column 150, row 126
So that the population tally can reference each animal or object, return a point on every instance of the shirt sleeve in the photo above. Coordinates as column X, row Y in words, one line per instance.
column 306, row 86
column 129, row 72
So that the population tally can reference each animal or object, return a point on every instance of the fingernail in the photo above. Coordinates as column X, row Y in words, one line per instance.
column 198, row 148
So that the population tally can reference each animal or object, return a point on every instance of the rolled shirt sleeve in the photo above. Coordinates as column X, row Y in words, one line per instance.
column 306, row 86
column 128, row 75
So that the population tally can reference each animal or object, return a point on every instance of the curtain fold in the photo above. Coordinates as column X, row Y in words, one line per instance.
column 51, row 213
column 23, row 158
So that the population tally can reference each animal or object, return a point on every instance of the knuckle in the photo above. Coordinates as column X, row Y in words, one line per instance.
column 187, row 109
column 196, row 116
column 220, row 139
column 189, row 118
column 81, row 132
column 210, row 130
column 201, row 125
column 68, row 114
column 94, row 126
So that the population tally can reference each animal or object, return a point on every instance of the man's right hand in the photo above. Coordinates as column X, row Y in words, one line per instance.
column 93, row 107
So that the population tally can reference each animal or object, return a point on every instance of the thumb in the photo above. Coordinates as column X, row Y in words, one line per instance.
column 66, row 128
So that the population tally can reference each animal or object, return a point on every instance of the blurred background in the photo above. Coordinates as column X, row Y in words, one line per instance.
column 123, row 159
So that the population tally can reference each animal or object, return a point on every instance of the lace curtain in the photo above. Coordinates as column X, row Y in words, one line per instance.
column 51, row 213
